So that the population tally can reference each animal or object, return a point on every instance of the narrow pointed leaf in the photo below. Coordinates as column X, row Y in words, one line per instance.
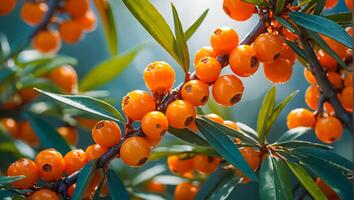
column 344, row 19
column 299, row 51
column 257, row 2
column 320, row 5
column 6, row 73
column 265, row 112
column 169, row 179
column 4, row 47
column 53, row 63
column 83, row 180
column 165, row 151
column 9, row 179
column 116, row 187
column 279, row 6
column 294, row 133
column 40, row 83
column 188, row 136
column 148, row 196
column 288, row 25
column 191, row 30
column 301, row 144
column 148, row 174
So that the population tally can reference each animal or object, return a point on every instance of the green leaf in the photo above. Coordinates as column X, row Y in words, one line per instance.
column 116, row 186
column 4, row 193
column 320, row 5
column 279, row 6
column 225, row 147
column 191, row 30
column 188, row 136
column 83, row 180
column 102, row 182
column 6, row 73
column 301, row 144
column 307, row 181
column 53, row 63
column 299, row 51
column 265, row 112
column 88, row 104
column 148, row 196
column 5, row 49
column 288, row 25
column 322, row 25
column 169, row 179
column 294, row 133
column 38, row 82
column 344, row 19
column 107, row 70
column 104, row 8
column 257, row 2
column 9, row 179
column 165, row 151
column 148, row 174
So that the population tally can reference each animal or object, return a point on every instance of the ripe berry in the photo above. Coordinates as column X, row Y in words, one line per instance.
column 331, row 4
column 159, row 77
column 288, row 53
column 106, row 133
column 74, row 160
column 28, row 94
column 312, row 96
column 326, row 189
column 33, row 13
column 27, row 134
column 348, row 3
column 348, row 80
column 335, row 79
column 69, row 134
column 154, row 124
column 238, row 9
column 47, row 41
column 227, row 90
column 289, row 35
column 224, row 40
column 208, row 69
column 65, row 77
column 50, row 163
column 137, row 103
column 95, row 151
column 178, row 165
column 328, row 108
column 231, row 125
column 44, row 194
column 215, row 118
column 251, row 157
column 156, row 187
column 196, row 92
column 153, row 142
column 10, row 125
column 88, row 22
column 300, row 117
column 186, row 191
column 26, row 168
column 193, row 127
column 347, row 98
column 268, row 47
column 337, row 47
column 205, row 164
column 309, row 76
column 243, row 61
column 6, row 6
column 77, row 8
column 326, row 61
column 328, row 129
column 203, row 52
column 279, row 71
column 180, row 114
column 70, row 31
column 135, row 151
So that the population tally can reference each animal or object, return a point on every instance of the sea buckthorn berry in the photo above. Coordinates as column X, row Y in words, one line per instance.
column 193, row 127
column 205, row 164
column 44, row 194
column 77, row 8
column 88, row 22
column 180, row 114
column 6, row 6
column 300, row 117
column 70, row 31
column 50, row 163
column 347, row 98
column 289, row 35
column 215, row 118
column 65, row 77
column 227, row 90
column 33, row 13
column 177, row 164
column 196, row 92
column 154, row 124
column 154, row 186
column 208, row 69
column 95, row 151
column 27, row 134
column 135, row 151
column 186, row 191
column 238, row 9
column 279, row 71
column 28, row 94
column 159, row 77
column 309, row 76
column 153, row 142
column 335, row 79
column 349, row 4
column 224, row 40
column 137, row 103
column 203, row 52
column 74, row 160
column 106, row 133
column 312, row 97
column 326, row 61
column 327, row 190
column 337, row 47
column 331, row 4
column 231, row 124
column 69, row 134
column 328, row 108
column 348, row 80
column 47, row 41
column 26, row 168
column 251, row 157
column 243, row 61
column 10, row 125
column 268, row 47
column 288, row 53
column 328, row 129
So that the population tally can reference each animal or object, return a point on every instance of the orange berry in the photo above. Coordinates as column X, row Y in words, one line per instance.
column 215, row 118
column 50, row 163
column 6, row 6
column 349, row 4
column 159, row 77
column 327, row 190
column 26, row 168
column 348, row 80
column 77, row 8
column 288, row 53
column 279, row 71
column 71, row 190
column 312, row 97
column 27, row 134
column 203, row 52
column 95, row 151
column 309, row 76
column 135, row 151
column 180, row 114
column 186, row 191
column 70, row 31
column 331, row 4
column 10, row 125
column 106, row 133
column 156, row 187
column 289, row 35
column 328, row 108
column 208, row 69
column 137, row 103
column 238, row 9
column 231, row 125
column 154, row 124
column 88, row 22
column 205, row 164
column 328, row 129
column 268, row 47
column 74, row 161
column 69, row 134
column 326, row 61
column 300, row 117
column 153, row 142
column 227, row 90
column 251, row 157
column 178, row 165
column 44, row 194
column 337, row 47
column 33, row 13
column 335, row 79
column 224, row 40
column 347, row 98
column 28, row 94
column 193, row 127
column 196, row 92
column 243, row 61
column 65, row 77
column 47, row 41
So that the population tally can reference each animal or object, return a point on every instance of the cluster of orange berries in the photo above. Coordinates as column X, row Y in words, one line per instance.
column 333, row 3
column 79, row 19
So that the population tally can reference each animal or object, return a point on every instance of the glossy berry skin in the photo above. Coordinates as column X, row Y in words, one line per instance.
column 51, row 164
column 95, row 151
column 288, row 53
column 238, row 9
column 6, row 6
column 77, row 8
column 180, row 114
column 227, row 90
column 251, row 157
column 65, row 77
column 312, row 97
column 337, row 47
column 328, row 129
column 203, row 52
column 279, row 71
column 88, row 22
column 106, row 133
column 243, row 61
column 326, row 61
column 74, row 160
column 154, row 124
column 33, row 13
column 310, row 78
column 331, row 4
column 178, row 165
column 135, row 151
column 208, row 69
column 348, row 80
column 224, row 40
column 327, row 190
column 186, row 191
column 196, row 92
column 28, row 94
column 335, row 79
column 215, row 118
column 47, row 41
column 44, row 194
column 70, row 31
column 153, row 142
column 159, row 77
column 268, row 47
column 156, row 187
column 24, row 167
column 205, row 164
column 300, row 117
column 27, row 134
column 346, row 99
column 10, row 125
column 69, row 134
column 137, row 103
